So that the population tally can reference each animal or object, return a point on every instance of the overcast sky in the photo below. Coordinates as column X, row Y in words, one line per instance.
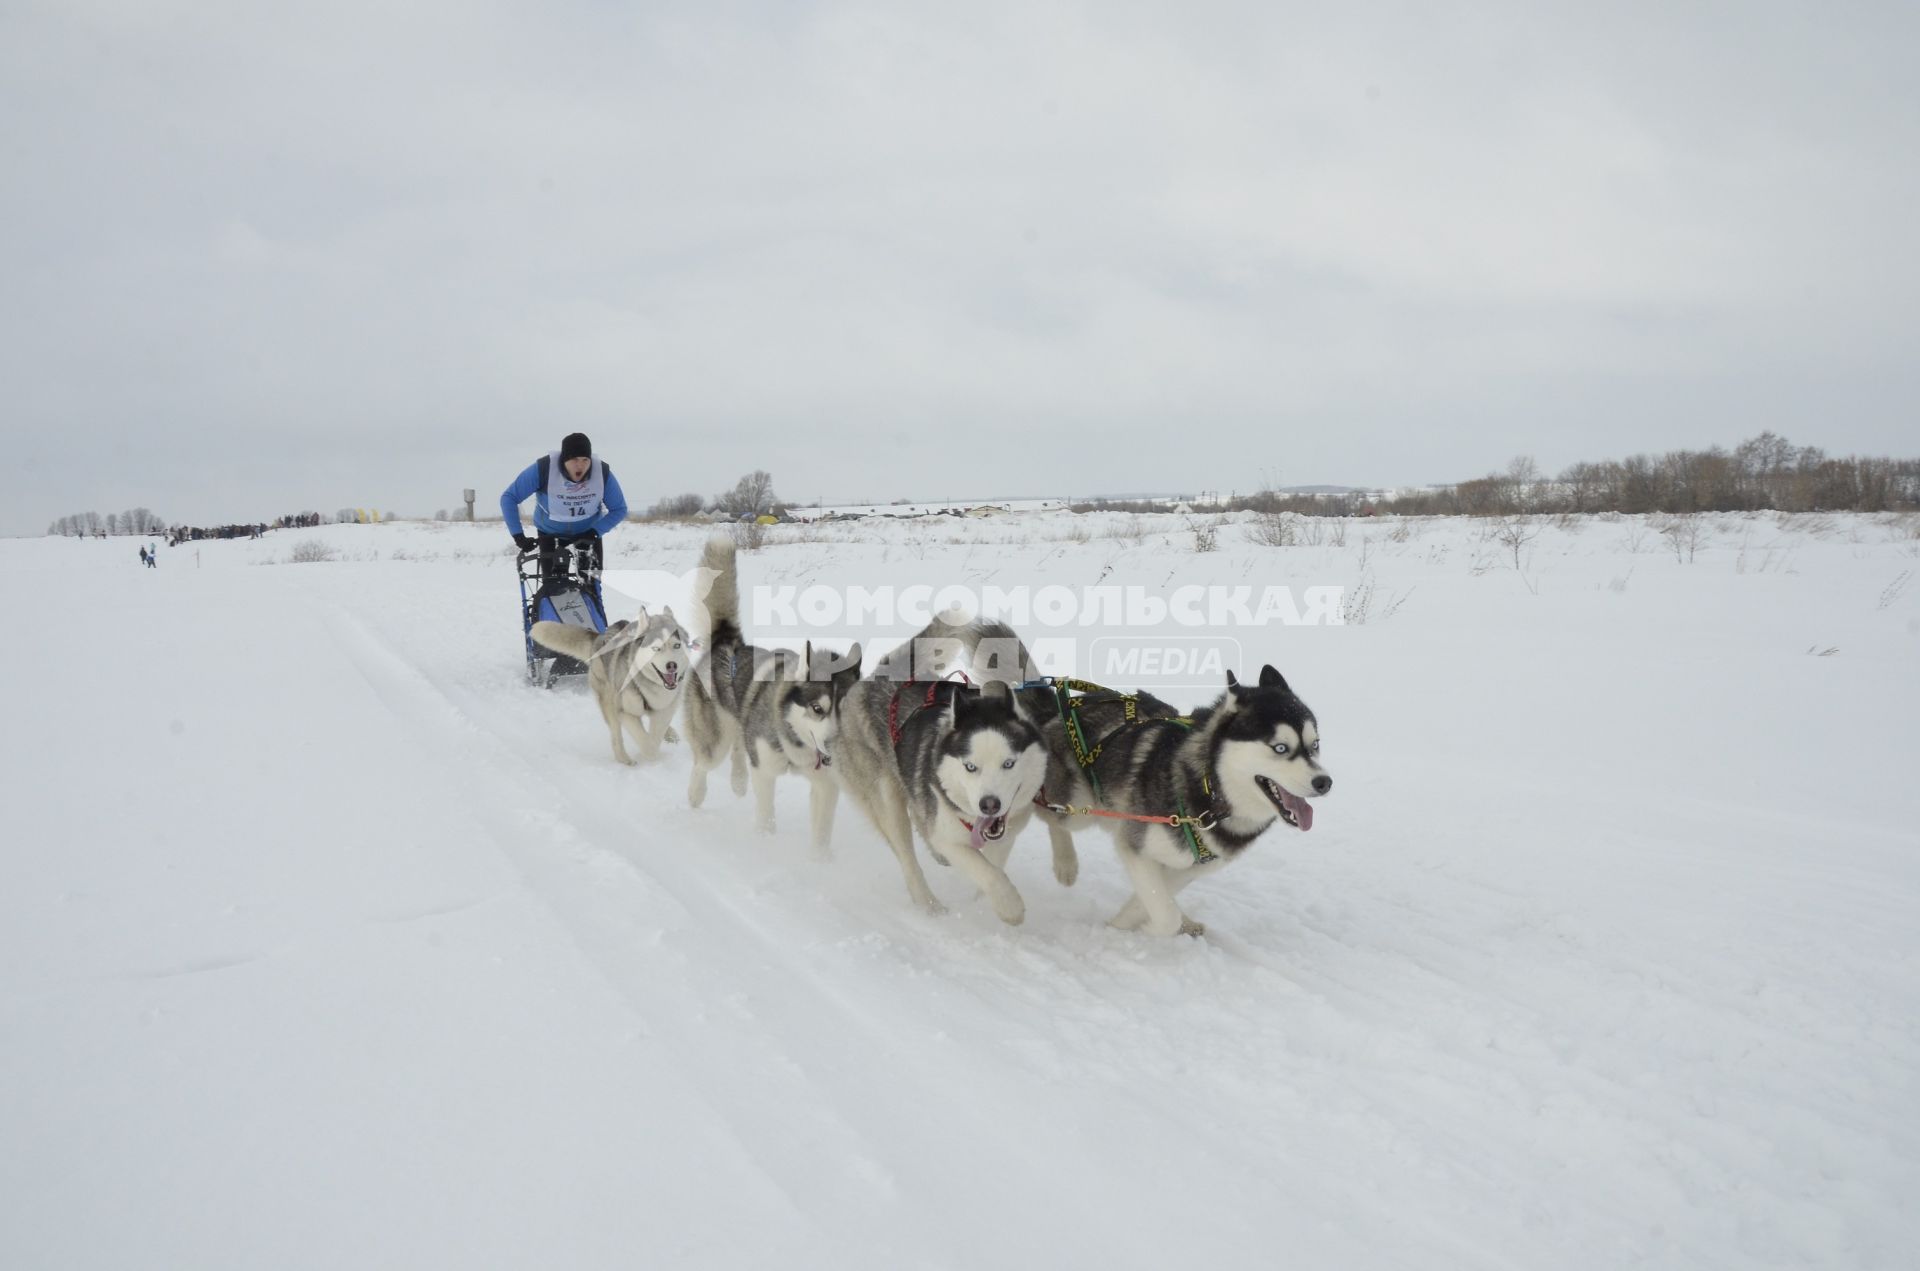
column 262, row 258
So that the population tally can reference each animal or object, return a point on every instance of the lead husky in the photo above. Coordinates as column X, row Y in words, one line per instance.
column 1247, row 761
column 773, row 710
column 637, row 671
column 961, row 764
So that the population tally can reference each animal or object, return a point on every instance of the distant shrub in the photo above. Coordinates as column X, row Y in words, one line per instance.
column 308, row 551
column 1272, row 529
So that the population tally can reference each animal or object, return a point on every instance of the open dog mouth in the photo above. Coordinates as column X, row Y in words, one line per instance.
column 1294, row 810
column 821, row 759
column 669, row 677
column 988, row 829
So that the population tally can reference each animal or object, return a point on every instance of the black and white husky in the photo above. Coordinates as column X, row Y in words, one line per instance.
column 961, row 764
column 1239, row 766
column 773, row 711
column 637, row 670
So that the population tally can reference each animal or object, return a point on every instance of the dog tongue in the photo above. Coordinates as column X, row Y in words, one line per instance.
column 1301, row 809
column 978, row 838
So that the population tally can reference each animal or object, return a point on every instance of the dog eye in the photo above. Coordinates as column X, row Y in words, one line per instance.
column 818, row 709
column 972, row 767
column 1007, row 764
column 1279, row 747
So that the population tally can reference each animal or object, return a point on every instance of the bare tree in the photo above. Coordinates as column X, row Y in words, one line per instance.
column 1523, row 484
column 752, row 495
column 1514, row 533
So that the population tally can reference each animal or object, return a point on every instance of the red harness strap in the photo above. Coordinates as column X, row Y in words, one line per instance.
column 893, row 706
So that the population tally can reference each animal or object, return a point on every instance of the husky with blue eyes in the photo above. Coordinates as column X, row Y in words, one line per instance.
column 1228, row 774
column 960, row 764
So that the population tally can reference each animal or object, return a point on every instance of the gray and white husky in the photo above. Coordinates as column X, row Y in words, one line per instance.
column 637, row 670
column 1240, row 765
column 962, row 765
column 773, row 711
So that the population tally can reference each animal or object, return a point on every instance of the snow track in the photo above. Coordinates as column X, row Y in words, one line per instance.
column 354, row 939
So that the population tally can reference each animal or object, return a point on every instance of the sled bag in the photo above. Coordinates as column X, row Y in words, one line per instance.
column 572, row 606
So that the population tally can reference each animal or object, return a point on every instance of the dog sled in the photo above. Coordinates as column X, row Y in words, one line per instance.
column 567, row 590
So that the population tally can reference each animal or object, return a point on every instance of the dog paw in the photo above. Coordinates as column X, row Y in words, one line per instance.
column 1066, row 868
column 670, row 734
column 1008, row 905
column 937, row 858
column 1188, row 927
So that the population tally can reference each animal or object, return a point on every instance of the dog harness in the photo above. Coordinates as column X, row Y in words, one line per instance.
column 1069, row 694
column 933, row 693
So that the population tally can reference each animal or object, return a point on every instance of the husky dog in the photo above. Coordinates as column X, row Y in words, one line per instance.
column 961, row 764
column 1239, row 765
column 994, row 650
column 773, row 710
column 637, row 671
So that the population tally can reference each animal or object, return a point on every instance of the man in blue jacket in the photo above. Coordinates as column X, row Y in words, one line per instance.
column 576, row 500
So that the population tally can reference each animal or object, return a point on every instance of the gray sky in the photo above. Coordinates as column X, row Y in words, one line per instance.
column 259, row 260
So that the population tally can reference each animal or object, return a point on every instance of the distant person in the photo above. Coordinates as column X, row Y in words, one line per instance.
column 576, row 500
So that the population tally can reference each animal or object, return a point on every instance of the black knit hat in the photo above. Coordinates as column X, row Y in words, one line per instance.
column 576, row 446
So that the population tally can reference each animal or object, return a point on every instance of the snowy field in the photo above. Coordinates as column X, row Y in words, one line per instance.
column 326, row 942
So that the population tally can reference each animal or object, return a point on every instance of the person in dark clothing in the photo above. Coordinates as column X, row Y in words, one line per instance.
column 576, row 501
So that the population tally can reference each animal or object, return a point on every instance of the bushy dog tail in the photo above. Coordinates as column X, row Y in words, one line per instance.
column 991, row 650
column 576, row 642
column 722, row 600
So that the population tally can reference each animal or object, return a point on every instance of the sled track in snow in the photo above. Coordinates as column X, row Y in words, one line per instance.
column 1450, row 1035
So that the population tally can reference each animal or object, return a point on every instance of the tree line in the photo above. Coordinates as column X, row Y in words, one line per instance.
column 752, row 495
column 94, row 525
column 1763, row 473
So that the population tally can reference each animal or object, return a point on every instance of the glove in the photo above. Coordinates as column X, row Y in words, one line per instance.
column 525, row 543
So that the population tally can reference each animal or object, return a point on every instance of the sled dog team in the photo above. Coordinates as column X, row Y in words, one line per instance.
column 964, row 766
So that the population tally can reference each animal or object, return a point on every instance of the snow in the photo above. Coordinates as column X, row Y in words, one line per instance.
column 326, row 941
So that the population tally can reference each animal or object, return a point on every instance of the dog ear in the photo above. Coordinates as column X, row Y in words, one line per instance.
column 1232, row 680
column 642, row 619
column 667, row 613
column 1270, row 678
column 849, row 672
